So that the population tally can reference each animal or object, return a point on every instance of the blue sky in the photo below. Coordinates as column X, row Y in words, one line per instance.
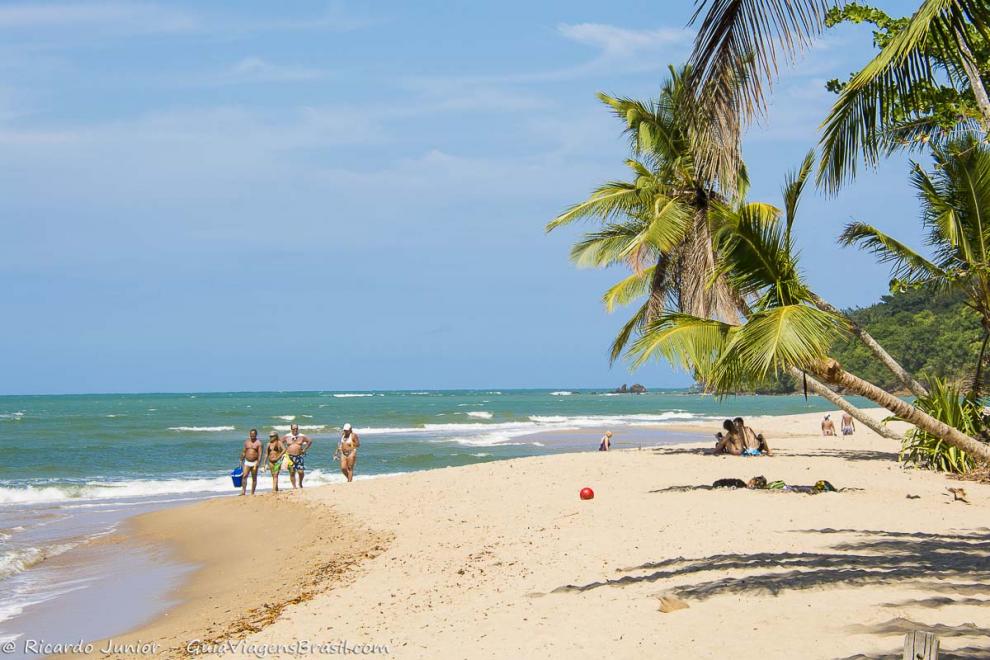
column 311, row 195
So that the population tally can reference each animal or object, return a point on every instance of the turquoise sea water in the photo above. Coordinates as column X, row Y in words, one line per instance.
column 60, row 448
column 76, row 466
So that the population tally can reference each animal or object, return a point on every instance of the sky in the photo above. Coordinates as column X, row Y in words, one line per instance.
column 332, row 196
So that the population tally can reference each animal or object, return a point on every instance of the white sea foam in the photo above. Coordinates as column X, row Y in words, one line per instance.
column 534, row 424
column 95, row 491
column 354, row 396
column 20, row 559
column 287, row 418
column 561, row 393
column 112, row 416
column 201, row 429
column 302, row 427
column 481, row 414
column 13, row 416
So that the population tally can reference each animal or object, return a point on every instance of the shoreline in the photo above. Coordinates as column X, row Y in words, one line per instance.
column 243, row 572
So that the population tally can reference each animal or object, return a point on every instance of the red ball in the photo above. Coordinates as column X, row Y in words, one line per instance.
column 587, row 494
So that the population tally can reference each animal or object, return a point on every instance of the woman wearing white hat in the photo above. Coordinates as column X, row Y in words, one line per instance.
column 347, row 450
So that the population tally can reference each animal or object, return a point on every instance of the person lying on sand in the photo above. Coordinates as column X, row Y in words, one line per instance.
column 828, row 426
column 347, row 451
column 297, row 446
column 753, row 443
column 275, row 453
column 728, row 442
column 250, row 457
column 606, row 442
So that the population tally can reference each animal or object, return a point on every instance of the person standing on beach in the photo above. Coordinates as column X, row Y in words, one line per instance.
column 847, row 424
column 275, row 452
column 297, row 446
column 347, row 451
column 250, row 457
column 606, row 442
column 828, row 426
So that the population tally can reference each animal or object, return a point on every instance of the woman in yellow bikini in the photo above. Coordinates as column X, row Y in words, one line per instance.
column 276, row 454
column 347, row 451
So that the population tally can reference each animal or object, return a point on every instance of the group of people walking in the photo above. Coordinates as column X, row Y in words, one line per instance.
column 289, row 452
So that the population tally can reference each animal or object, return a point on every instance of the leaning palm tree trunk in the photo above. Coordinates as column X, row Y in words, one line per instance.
column 832, row 372
column 975, row 81
column 895, row 368
column 863, row 418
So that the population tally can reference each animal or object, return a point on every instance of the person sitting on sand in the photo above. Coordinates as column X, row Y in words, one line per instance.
column 728, row 442
column 847, row 424
column 347, row 451
column 275, row 453
column 297, row 446
column 250, row 457
column 753, row 443
column 606, row 442
column 828, row 426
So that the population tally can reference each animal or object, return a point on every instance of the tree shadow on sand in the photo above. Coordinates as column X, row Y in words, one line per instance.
column 956, row 565
column 875, row 558
column 851, row 454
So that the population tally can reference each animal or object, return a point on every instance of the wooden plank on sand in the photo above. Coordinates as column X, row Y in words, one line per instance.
column 919, row 645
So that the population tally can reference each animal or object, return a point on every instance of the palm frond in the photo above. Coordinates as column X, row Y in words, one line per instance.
column 686, row 341
column 628, row 289
column 613, row 199
column 621, row 340
column 854, row 129
column 738, row 45
column 793, row 188
column 773, row 340
column 607, row 247
column 906, row 264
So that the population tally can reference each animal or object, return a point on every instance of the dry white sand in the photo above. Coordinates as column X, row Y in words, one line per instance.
column 504, row 560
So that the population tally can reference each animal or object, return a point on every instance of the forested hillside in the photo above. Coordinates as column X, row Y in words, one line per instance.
column 928, row 335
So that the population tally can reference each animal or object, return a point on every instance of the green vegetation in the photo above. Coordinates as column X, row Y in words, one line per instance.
column 715, row 278
column 947, row 403
column 932, row 336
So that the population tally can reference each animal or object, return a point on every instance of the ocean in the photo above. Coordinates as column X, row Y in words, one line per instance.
column 75, row 466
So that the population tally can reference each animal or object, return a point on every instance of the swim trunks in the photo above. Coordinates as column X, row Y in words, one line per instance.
column 297, row 463
column 250, row 464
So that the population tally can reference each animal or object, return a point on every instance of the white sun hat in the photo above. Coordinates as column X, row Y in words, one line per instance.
column 347, row 427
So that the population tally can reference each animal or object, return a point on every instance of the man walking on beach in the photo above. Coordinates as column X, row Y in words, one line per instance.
column 828, row 426
column 847, row 424
column 250, row 458
column 298, row 445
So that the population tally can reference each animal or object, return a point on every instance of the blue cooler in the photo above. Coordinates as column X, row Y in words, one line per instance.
column 237, row 476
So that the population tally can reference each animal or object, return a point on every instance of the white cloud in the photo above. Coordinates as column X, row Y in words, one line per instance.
column 120, row 17
column 256, row 69
column 131, row 17
column 615, row 41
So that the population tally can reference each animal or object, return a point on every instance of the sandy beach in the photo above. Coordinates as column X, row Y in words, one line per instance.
column 503, row 559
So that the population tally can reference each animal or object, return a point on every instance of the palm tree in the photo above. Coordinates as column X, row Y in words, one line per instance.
column 783, row 330
column 956, row 213
column 661, row 224
column 745, row 39
column 659, row 218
